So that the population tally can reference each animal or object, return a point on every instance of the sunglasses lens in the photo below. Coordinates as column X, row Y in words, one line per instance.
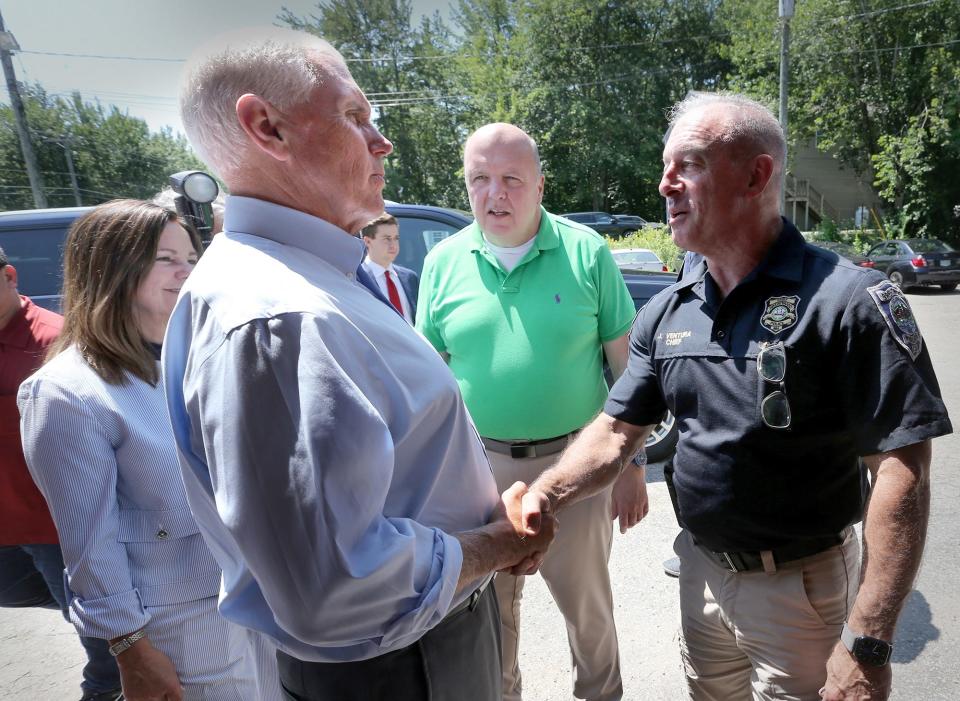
column 772, row 364
column 775, row 410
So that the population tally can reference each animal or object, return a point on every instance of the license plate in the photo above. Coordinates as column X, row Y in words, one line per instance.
column 945, row 262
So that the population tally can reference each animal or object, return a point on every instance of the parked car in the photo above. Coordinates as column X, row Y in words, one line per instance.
column 33, row 241
column 917, row 263
column 638, row 259
column 844, row 249
column 632, row 220
column 603, row 223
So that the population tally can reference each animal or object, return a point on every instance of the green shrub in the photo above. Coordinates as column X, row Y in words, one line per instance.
column 655, row 237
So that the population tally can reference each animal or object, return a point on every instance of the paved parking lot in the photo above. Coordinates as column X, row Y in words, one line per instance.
column 40, row 658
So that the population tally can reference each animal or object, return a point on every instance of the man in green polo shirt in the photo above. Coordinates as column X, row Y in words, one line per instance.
column 524, row 305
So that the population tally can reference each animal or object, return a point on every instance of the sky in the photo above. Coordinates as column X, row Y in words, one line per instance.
column 137, row 29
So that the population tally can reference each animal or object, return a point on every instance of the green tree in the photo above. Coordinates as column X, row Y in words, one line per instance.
column 401, row 69
column 876, row 83
column 114, row 154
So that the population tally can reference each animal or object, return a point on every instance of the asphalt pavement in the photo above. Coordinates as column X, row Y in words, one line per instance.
column 40, row 658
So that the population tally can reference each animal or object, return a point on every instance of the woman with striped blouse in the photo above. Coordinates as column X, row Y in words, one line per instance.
column 99, row 445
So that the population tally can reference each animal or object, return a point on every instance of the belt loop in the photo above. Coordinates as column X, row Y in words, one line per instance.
column 769, row 564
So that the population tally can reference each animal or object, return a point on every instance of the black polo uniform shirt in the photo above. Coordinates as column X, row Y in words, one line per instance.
column 859, row 381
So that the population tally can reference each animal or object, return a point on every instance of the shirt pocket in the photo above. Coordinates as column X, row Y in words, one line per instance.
column 169, row 562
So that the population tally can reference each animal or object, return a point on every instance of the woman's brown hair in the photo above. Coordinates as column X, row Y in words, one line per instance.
column 107, row 254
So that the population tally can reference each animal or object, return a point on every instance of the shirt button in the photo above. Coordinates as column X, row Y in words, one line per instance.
column 162, row 534
column 350, row 276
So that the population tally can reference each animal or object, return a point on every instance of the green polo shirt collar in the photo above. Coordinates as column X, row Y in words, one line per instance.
column 546, row 238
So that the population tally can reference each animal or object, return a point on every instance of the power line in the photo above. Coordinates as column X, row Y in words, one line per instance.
column 103, row 56
column 885, row 10
column 373, row 59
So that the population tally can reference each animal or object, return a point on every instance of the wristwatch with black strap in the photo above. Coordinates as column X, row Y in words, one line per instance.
column 869, row 651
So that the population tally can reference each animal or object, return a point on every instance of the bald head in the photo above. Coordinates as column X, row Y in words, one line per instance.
column 501, row 167
column 501, row 134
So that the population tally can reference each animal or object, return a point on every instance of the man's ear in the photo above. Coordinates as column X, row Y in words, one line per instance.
column 761, row 171
column 10, row 273
column 264, row 124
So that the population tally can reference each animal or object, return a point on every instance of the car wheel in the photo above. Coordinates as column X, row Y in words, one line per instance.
column 896, row 277
column 949, row 287
column 663, row 440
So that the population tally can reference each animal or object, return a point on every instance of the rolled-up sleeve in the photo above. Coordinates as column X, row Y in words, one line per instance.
column 72, row 460
column 300, row 466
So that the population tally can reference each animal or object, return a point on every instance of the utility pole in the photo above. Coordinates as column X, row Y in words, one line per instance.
column 786, row 13
column 8, row 44
column 66, row 143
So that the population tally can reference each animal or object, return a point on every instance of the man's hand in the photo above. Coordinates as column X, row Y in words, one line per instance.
column 147, row 674
column 534, row 541
column 848, row 680
column 629, row 501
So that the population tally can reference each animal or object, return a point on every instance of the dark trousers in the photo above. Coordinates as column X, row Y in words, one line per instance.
column 458, row 660
column 32, row 576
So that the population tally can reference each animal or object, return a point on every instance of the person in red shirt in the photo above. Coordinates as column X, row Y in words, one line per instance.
column 31, row 564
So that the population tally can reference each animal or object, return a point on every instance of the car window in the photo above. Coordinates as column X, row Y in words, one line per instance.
column 36, row 254
column 417, row 237
column 891, row 249
column 930, row 246
column 876, row 250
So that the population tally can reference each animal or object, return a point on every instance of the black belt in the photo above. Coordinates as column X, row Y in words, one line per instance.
column 527, row 449
column 747, row 561
column 471, row 601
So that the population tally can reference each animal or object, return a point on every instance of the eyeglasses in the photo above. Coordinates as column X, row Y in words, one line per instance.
column 772, row 367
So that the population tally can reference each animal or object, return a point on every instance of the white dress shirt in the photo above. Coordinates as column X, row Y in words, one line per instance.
column 377, row 273
column 325, row 448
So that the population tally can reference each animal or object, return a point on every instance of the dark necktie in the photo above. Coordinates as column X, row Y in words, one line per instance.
column 392, row 293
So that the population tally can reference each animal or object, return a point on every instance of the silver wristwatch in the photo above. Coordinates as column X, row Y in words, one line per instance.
column 127, row 641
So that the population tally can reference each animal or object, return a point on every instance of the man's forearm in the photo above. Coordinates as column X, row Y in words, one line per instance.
column 485, row 551
column 592, row 462
column 894, row 533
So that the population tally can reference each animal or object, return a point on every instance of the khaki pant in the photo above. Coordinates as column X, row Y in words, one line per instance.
column 763, row 636
column 575, row 571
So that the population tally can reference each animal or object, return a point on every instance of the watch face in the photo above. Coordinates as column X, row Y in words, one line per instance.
column 872, row 651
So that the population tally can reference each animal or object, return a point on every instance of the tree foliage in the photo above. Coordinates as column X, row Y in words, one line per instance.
column 114, row 154
column 874, row 81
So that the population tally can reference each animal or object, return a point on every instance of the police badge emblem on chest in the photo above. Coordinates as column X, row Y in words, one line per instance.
column 780, row 313
column 895, row 308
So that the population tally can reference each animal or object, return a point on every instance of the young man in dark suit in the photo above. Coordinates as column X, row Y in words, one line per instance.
column 400, row 285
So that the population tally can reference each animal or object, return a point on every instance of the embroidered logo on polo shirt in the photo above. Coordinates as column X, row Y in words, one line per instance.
column 780, row 313
column 895, row 308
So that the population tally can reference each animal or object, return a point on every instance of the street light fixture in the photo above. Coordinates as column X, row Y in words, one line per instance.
column 196, row 191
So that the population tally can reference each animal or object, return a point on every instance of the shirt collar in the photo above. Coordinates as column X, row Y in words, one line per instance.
column 291, row 227
column 784, row 260
column 546, row 238
column 17, row 331
column 378, row 269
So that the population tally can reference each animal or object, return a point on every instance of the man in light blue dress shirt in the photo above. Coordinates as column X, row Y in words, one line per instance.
column 327, row 454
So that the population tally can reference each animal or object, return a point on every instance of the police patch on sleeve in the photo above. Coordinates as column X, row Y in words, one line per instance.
column 780, row 313
column 895, row 308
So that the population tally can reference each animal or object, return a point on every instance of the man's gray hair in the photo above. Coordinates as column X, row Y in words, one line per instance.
column 278, row 65
column 749, row 124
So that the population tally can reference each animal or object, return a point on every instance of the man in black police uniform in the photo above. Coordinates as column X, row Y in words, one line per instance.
column 788, row 369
